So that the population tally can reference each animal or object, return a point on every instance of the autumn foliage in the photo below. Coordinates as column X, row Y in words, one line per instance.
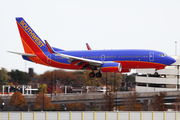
column 39, row 101
column 130, row 103
column 158, row 103
column 109, row 100
column 18, row 100
column 75, row 106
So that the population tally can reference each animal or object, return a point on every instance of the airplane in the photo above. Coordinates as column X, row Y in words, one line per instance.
column 118, row 61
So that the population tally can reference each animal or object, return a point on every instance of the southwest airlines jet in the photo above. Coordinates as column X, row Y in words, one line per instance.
column 119, row 61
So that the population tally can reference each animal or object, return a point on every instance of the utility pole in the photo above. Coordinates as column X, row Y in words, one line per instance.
column 106, row 83
column 43, row 99
column 51, row 84
column 55, row 82
column 177, row 77
column 114, row 81
column 175, row 47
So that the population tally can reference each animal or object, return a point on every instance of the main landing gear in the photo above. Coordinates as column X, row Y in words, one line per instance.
column 92, row 74
column 156, row 73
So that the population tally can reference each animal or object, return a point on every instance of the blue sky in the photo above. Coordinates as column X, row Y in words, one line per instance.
column 104, row 24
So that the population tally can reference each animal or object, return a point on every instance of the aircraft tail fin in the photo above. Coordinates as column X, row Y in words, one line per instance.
column 32, row 43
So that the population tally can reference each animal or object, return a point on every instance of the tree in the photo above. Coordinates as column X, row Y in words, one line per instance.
column 158, row 103
column 75, row 106
column 109, row 100
column 130, row 102
column 18, row 100
column 42, row 88
column 39, row 101
column 21, row 77
column 4, row 77
column 62, row 77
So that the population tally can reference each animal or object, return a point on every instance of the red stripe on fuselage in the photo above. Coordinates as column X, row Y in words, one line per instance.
column 139, row 64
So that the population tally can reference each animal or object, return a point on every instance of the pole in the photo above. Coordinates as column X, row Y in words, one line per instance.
column 55, row 82
column 51, row 84
column 177, row 77
column 106, row 83
column 175, row 47
column 114, row 82
column 43, row 99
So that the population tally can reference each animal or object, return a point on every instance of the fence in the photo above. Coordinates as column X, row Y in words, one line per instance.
column 90, row 115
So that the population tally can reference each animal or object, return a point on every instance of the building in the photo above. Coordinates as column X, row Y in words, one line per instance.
column 166, row 79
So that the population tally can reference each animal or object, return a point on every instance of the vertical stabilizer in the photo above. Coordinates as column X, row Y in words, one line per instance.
column 31, row 41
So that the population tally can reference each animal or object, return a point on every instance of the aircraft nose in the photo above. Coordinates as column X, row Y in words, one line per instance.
column 172, row 60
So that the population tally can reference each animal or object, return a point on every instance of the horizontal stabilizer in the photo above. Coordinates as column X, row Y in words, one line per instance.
column 24, row 54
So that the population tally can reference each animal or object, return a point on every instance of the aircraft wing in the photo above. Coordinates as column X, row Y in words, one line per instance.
column 91, row 62
column 71, row 58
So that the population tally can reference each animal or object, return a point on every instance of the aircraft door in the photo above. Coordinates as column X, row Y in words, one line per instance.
column 102, row 57
column 49, row 59
column 151, row 56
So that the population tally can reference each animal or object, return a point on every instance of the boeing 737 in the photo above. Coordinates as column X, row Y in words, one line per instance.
column 118, row 61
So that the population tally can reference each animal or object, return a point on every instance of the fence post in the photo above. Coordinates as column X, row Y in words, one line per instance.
column 94, row 116
column 33, row 115
column 164, row 115
column 69, row 115
column 176, row 115
column 141, row 115
column 129, row 115
column 82, row 117
column 152, row 115
column 46, row 116
column 21, row 115
column 117, row 115
column 106, row 115
column 0, row 115
column 9, row 116
column 58, row 116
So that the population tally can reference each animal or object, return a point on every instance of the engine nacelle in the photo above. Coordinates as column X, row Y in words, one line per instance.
column 111, row 67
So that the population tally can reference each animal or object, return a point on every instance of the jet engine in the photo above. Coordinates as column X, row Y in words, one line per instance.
column 111, row 67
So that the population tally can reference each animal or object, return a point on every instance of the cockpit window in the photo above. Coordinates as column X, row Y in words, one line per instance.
column 162, row 55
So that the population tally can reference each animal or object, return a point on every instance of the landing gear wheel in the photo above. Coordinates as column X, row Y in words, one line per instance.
column 98, row 75
column 91, row 74
column 156, row 73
